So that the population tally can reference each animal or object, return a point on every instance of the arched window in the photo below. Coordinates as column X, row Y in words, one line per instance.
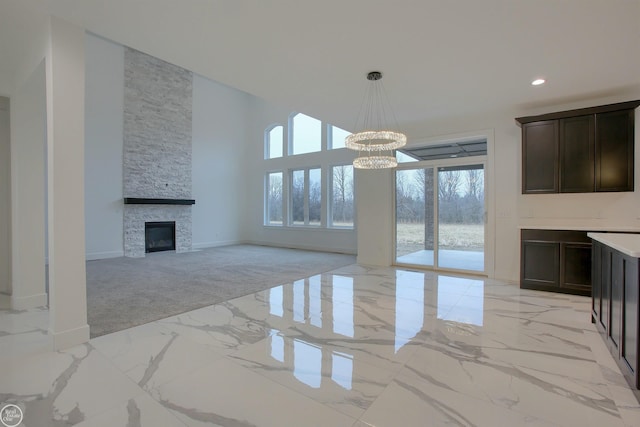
column 306, row 134
column 336, row 137
column 273, row 142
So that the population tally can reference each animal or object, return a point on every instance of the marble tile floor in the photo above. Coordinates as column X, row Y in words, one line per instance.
column 354, row 347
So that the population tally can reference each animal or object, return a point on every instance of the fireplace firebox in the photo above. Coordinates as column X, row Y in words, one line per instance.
column 159, row 236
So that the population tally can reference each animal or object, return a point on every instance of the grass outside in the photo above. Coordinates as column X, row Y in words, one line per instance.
column 466, row 237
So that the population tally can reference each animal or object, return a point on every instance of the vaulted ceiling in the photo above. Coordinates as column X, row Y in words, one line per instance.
column 440, row 58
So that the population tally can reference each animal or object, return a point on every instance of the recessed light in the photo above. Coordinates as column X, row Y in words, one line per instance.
column 538, row 82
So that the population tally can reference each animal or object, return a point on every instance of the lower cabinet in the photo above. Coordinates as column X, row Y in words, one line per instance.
column 615, row 304
column 556, row 261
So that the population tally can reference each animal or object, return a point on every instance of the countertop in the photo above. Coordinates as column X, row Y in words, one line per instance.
column 582, row 227
column 628, row 244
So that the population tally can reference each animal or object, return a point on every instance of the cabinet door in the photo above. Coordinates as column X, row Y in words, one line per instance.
column 575, row 265
column 605, row 289
column 577, row 154
column 540, row 157
column 614, row 151
column 629, row 345
column 596, row 283
column 617, row 286
column 540, row 265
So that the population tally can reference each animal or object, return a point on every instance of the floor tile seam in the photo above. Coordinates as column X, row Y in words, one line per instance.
column 140, row 391
column 119, row 405
column 491, row 401
column 579, row 381
column 291, row 389
column 158, row 384
column 392, row 373
column 620, row 380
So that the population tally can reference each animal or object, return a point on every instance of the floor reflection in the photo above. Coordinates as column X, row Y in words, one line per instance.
column 326, row 303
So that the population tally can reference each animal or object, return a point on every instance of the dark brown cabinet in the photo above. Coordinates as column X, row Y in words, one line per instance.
column 540, row 157
column 615, row 305
column 555, row 260
column 586, row 150
column 577, row 154
column 614, row 151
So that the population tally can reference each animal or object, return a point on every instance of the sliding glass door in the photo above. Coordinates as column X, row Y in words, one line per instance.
column 440, row 216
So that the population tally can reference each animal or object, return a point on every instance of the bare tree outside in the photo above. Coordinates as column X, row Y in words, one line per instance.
column 460, row 210
column 342, row 196
column 274, row 198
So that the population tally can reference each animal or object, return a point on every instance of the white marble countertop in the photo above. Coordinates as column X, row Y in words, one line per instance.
column 628, row 244
column 582, row 227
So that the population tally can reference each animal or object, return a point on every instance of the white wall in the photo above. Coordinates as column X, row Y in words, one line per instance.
column 5, row 198
column 220, row 116
column 103, row 148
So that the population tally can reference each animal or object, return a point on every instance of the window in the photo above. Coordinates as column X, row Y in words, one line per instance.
column 336, row 137
column 274, row 199
column 308, row 181
column 274, row 142
column 342, row 201
column 306, row 196
column 306, row 134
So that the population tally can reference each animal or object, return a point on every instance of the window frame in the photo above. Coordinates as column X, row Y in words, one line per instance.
column 306, row 197
column 267, row 205
column 267, row 142
column 291, row 134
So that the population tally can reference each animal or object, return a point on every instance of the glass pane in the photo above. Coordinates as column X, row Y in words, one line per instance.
column 342, row 196
column 297, row 197
column 337, row 137
column 307, row 134
column 404, row 158
column 414, row 216
column 274, row 198
column 315, row 196
column 274, row 141
column 461, row 217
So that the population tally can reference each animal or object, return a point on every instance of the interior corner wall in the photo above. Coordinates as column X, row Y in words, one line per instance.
column 5, row 198
column 220, row 116
column 104, row 106
column 28, row 189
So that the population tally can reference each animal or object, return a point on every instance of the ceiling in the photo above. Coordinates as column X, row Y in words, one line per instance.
column 440, row 58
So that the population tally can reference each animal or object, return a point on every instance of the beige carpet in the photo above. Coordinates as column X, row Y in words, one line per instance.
column 126, row 292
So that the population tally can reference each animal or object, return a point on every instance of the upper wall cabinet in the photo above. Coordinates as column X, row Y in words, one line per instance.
column 579, row 151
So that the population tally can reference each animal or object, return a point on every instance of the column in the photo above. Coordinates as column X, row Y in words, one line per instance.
column 65, row 144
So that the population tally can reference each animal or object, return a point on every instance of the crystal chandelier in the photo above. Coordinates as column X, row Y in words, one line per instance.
column 376, row 138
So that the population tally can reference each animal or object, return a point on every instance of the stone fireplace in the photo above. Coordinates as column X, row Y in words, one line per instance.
column 156, row 150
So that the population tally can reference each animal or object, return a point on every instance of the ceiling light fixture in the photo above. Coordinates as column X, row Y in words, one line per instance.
column 375, row 137
column 538, row 82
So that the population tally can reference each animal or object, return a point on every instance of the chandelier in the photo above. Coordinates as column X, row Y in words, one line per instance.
column 376, row 142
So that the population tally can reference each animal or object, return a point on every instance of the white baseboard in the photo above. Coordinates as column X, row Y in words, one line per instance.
column 304, row 247
column 69, row 338
column 5, row 302
column 204, row 245
column 31, row 301
column 103, row 255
